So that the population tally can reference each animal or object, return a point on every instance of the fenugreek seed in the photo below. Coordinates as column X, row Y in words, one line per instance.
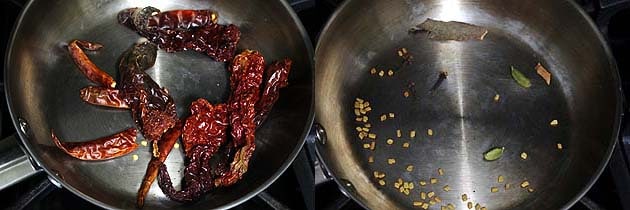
column 500, row 179
column 391, row 115
column 406, row 185
column 431, row 194
column 422, row 183
column 484, row 208
column 358, row 119
column 383, row 118
column 432, row 202
column 494, row 189
column 440, row 171
column 372, row 136
column 370, row 159
column 470, row 205
column 524, row 184
column 406, row 94
column 391, row 161
column 373, row 71
column 404, row 50
column 176, row 145
column 362, row 111
column 434, row 180
column 372, row 146
column 410, row 168
column 359, row 129
column 554, row 123
column 446, row 188
column 411, row 186
column 390, row 73
column 398, row 133
column 359, row 99
column 425, row 206
column 430, row 132
column 464, row 197
column 381, row 182
column 390, row 141
column 368, row 125
column 412, row 133
column 406, row 192
column 478, row 206
column 365, row 129
column 365, row 119
column 134, row 157
column 423, row 195
column 530, row 190
column 400, row 53
column 381, row 73
column 144, row 143
column 450, row 206
column 366, row 104
column 357, row 112
column 397, row 185
column 496, row 98
column 524, row 156
column 507, row 186
column 405, row 145
column 367, row 109
column 559, row 146
column 437, row 199
column 417, row 203
column 366, row 146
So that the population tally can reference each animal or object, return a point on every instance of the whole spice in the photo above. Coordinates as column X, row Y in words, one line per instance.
column 100, row 149
column 493, row 154
column 520, row 78
column 89, row 69
column 276, row 77
column 543, row 73
column 197, row 31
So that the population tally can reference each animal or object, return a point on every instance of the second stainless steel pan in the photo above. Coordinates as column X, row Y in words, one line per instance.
column 463, row 117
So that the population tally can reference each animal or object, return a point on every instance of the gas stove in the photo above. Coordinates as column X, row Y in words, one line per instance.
column 304, row 185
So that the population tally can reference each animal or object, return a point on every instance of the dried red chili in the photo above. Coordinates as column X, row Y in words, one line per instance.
column 87, row 67
column 165, row 145
column 246, row 75
column 152, row 107
column 100, row 149
column 103, row 97
column 204, row 132
column 195, row 30
column 276, row 77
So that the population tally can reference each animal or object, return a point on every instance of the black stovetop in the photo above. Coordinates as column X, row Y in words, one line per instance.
column 611, row 191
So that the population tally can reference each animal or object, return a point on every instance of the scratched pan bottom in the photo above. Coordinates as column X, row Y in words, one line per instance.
column 465, row 122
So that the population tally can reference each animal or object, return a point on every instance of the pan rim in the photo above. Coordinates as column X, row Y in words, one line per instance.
column 285, row 165
column 616, row 124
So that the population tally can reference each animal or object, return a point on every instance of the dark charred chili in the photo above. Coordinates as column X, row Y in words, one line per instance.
column 102, row 96
column 184, row 30
column 204, row 132
column 165, row 145
column 87, row 67
column 100, row 149
column 246, row 75
column 152, row 107
column 276, row 77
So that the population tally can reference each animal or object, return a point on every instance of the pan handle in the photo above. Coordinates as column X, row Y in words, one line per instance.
column 317, row 135
column 15, row 164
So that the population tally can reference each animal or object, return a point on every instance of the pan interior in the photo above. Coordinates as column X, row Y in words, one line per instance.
column 462, row 114
column 43, row 87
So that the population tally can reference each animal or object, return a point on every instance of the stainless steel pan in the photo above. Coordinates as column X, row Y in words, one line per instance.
column 42, row 86
column 584, row 96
